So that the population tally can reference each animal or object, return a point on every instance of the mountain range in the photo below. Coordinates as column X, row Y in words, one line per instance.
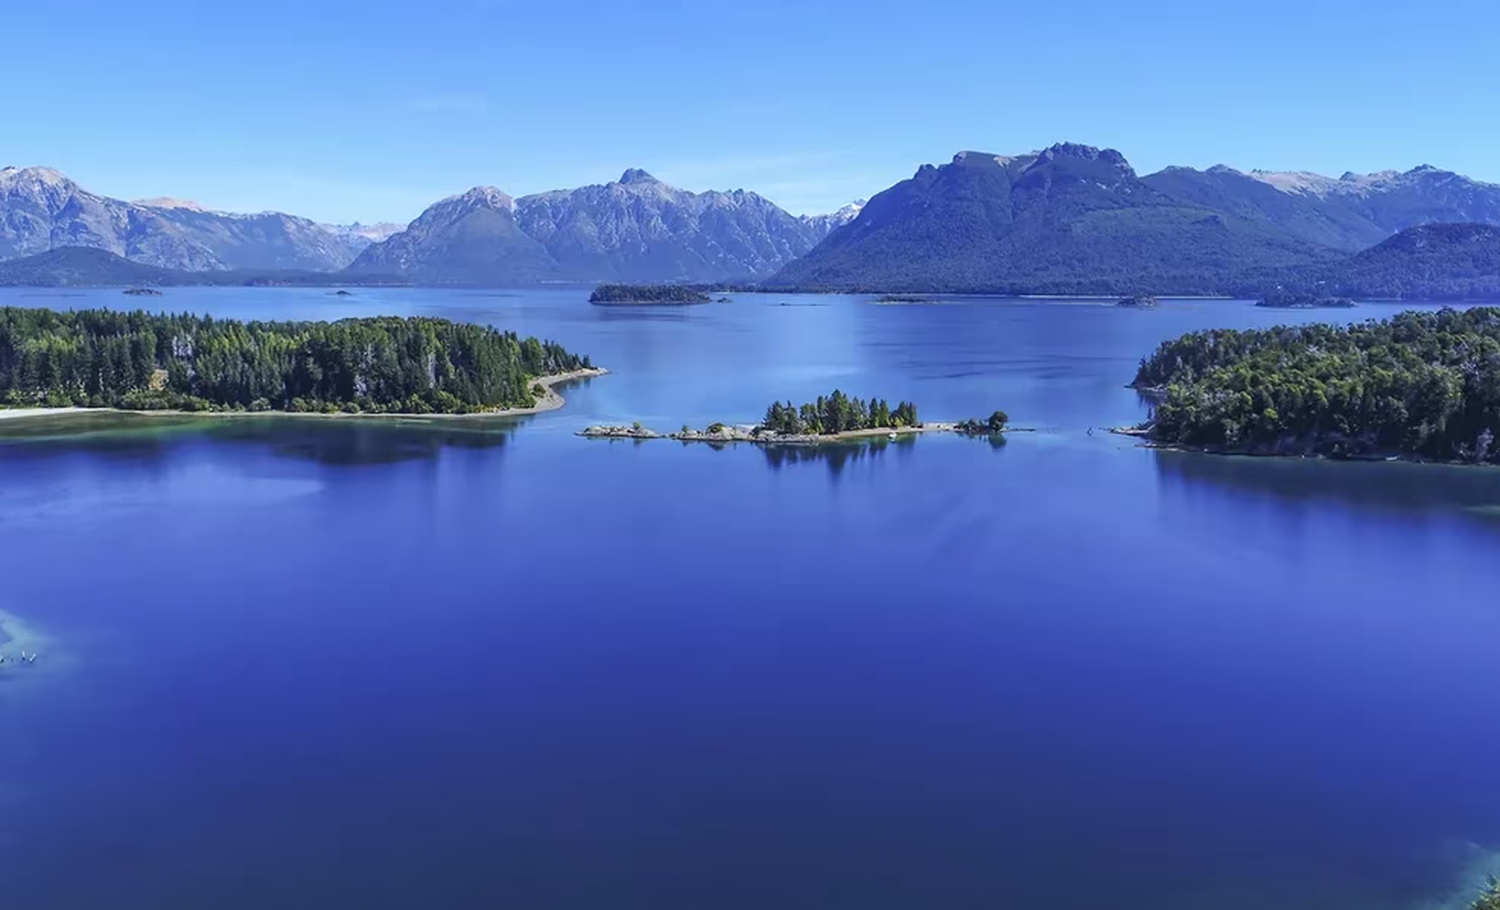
column 40, row 209
column 634, row 229
column 1078, row 219
column 1427, row 262
column 1067, row 219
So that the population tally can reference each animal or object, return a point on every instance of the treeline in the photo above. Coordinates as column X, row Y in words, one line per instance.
column 648, row 293
column 138, row 360
column 1421, row 383
column 837, row 413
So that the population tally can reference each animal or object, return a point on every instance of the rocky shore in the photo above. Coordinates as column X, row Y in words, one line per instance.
column 725, row 433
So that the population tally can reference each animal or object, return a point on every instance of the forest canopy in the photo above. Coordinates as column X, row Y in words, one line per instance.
column 386, row 364
column 1422, row 383
column 648, row 293
column 837, row 413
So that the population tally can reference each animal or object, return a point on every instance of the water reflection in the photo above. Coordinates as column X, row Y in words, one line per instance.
column 841, row 455
column 1391, row 485
column 359, row 442
column 334, row 441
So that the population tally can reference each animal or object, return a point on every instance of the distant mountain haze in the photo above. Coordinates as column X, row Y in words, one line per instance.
column 823, row 225
column 41, row 210
column 1349, row 213
column 471, row 238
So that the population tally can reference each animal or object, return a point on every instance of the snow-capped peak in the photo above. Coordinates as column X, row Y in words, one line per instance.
column 33, row 176
column 167, row 202
column 484, row 195
column 1304, row 182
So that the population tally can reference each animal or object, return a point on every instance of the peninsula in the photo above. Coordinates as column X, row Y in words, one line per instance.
column 832, row 418
column 382, row 365
column 1421, row 385
column 648, row 294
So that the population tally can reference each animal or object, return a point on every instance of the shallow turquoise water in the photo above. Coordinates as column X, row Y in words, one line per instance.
column 308, row 664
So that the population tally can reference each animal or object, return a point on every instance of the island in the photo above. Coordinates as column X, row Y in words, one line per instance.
column 1138, row 302
column 141, row 292
column 832, row 418
column 1282, row 301
column 893, row 299
column 140, row 361
column 649, row 294
column 1423, row 386
column 993, row 425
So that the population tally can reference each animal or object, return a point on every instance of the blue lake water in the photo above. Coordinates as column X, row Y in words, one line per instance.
column 311, row 664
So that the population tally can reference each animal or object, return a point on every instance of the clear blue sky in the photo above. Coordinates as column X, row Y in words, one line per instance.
column 372, row 110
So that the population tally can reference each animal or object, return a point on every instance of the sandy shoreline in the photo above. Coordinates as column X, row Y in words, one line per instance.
column 550, row 400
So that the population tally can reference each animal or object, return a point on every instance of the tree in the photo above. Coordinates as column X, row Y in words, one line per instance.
column 1490, row 898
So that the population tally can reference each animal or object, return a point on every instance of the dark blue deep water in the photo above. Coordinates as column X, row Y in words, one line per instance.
column 305, row 664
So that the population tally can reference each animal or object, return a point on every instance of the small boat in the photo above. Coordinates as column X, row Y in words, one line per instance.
column 893, row 435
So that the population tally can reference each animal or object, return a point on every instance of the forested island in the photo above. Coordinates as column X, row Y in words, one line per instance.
column 991, row 426
column 377, row 365
column 1302, row 301
column 1138, row 302
column 835, row 417
column 1423, row 385
column 660, row 294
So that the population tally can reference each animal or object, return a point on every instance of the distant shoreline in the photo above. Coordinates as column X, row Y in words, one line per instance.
column 550, row 400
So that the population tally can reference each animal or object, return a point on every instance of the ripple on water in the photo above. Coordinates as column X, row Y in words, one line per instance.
column 18, row 637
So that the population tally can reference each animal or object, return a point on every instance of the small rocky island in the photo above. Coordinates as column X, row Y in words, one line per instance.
column 142, row 292
column 649, row 295
column 1304, row 302
column 993, row 425
column 1138, row 302
column 832, row 418
column 890, row 299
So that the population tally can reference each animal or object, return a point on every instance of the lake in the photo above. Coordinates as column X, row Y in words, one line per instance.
column 311, row 664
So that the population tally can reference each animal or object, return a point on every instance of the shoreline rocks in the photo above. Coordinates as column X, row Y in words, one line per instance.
column 725, row 433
